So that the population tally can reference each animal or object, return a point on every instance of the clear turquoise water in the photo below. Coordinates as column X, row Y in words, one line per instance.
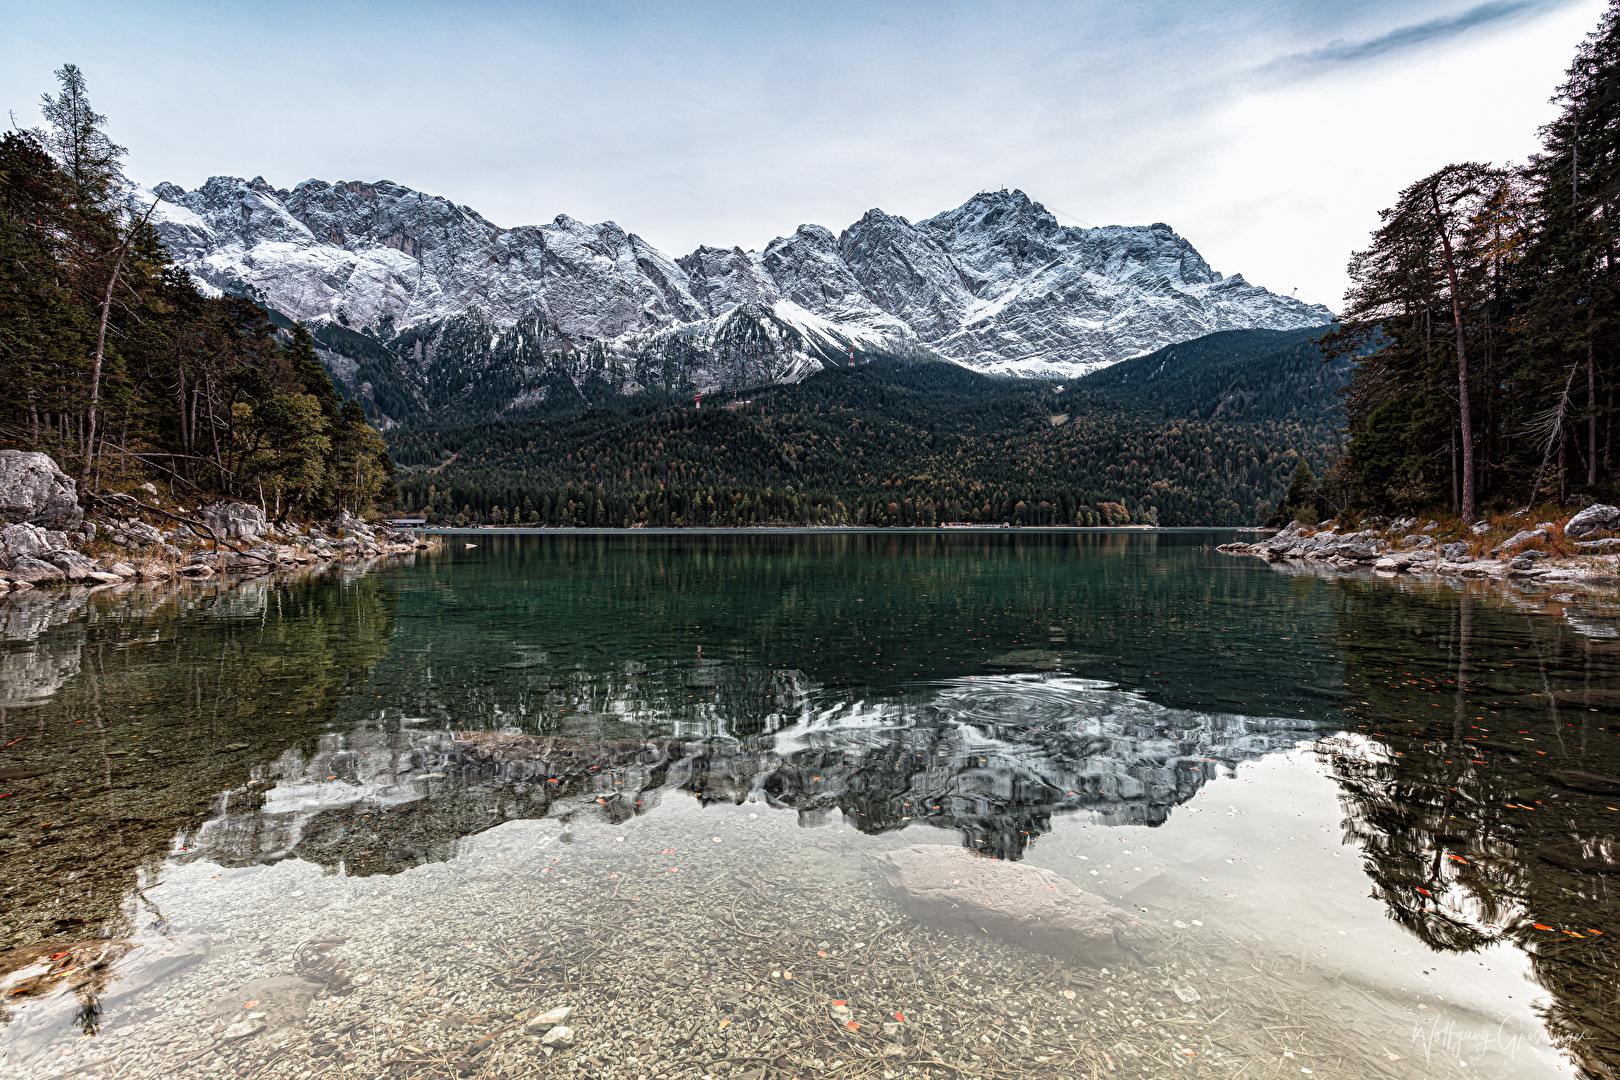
column 1328, row 790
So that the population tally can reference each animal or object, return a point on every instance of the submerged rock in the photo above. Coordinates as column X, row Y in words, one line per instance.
column 276, row 1004
column 34, row 571
column 34, row 490
column 958, row 889
column 1586, row 857
column 1585, row 781
column 549, row 1019
column 1030, row 659
column 558, row 1036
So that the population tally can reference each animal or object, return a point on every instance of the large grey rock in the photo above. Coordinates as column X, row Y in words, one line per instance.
column 236, row 520
column 1597, row 518
column 1518, row 540
column 1456, row 551
column 140, row 534
column 34, row 490
column 957, row 889
column 1362, row 550
column 350, row 526
column 74, row 566
column 35, row 571
column 19, row 540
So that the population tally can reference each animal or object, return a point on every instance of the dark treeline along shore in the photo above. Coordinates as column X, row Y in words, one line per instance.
column 1203, row 433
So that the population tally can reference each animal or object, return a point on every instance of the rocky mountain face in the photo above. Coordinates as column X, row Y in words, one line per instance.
column 423, row 306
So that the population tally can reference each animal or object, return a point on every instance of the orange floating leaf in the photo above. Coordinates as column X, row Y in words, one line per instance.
column 900, row 1016
column 852, row 1025
column 726, row 1021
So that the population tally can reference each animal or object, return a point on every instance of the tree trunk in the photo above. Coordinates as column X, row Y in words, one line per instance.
column 1455, row 497
column 1591, row 418
column 1563, row 474
column 1464, row 415
column 101, row 345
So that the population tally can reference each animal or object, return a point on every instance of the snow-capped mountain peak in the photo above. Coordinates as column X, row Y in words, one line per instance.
column 996, row 284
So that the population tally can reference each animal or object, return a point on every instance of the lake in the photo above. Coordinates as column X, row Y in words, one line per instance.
column 373, row 824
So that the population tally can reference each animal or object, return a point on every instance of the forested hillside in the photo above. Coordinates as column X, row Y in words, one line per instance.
column 1252, row 375
column 118, row 367
column 1213, row 442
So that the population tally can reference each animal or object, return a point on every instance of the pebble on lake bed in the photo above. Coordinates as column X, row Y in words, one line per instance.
column 549, row 1019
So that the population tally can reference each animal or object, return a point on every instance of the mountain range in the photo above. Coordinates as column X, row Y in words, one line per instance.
column 425, row 309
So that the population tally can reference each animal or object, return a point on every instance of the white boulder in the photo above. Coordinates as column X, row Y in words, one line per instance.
column 33, row 490
column 235, row 520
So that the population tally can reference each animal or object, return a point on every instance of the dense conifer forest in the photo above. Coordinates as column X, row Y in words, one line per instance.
column 1487, row 301
column 115, row 365
column 1204, row 433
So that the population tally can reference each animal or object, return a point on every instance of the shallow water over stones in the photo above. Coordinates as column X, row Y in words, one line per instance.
column 376, row 825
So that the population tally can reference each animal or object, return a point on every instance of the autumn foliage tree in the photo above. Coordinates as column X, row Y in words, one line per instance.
column 118, row 367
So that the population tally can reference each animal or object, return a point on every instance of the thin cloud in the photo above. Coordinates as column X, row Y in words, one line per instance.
column 1340, row 53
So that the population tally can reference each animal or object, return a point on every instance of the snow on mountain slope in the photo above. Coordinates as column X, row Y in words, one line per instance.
column 995, row 284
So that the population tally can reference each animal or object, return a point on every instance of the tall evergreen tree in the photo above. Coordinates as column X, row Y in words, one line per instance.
column 1569, row 337
column 78, row 139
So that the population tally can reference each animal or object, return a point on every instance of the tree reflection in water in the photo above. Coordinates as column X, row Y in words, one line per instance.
column 373, row 724
column 1465, row 707
column 134, row 712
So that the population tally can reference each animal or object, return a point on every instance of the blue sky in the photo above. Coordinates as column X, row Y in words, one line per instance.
column 1269, row 134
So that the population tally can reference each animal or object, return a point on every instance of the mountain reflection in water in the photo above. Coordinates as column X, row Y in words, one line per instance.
column 993, row 758
column 985, row 685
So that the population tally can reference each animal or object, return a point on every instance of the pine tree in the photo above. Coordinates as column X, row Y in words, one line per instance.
column 1569, row 339
column 78, row 140
column 1301, row 500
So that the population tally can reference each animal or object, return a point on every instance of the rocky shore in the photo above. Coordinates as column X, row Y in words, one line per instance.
column 1581, row 550
column 50, row 540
